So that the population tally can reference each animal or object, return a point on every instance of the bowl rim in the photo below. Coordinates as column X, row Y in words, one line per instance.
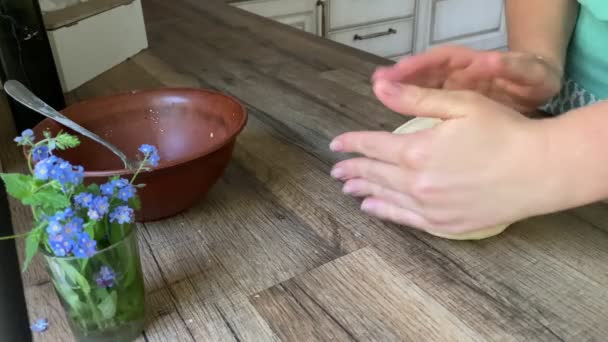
column 167, row 164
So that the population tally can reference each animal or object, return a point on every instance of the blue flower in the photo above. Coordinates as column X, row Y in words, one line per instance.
column 77, row 175
column 73, row 228
column 40, row 153
column 25, row 138
column 44, row 169
column 84, row 199
column 107, row 189
column 126, row 193
column 147, row 149
column 101, row 205
column 54, row 168
column 54, row 227
column 154, row 159
column 106, row 277
column 86, row 247
column 93, row 215
column 98, row 208
column 61, row 248
column 66, row 174
column 40, row 325
column 63, row 215
column 122, row 215
column 120, row 183
column 151, row 154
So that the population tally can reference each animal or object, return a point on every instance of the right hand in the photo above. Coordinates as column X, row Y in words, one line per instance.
column 519, row 80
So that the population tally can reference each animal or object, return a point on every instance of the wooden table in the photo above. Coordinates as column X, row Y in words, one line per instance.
column 276, row 252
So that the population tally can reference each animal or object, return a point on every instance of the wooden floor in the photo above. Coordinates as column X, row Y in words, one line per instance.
column 277, row 253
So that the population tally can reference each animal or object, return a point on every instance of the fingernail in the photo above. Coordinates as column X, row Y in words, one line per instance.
column 337, row 173
column 349, row 188
column 335, row 146
column 389, row 89
column 368, row 206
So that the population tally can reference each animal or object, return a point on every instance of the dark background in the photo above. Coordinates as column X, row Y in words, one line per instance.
column 25, row 55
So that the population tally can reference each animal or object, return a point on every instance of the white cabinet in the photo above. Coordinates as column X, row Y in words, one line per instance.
column 392, row 28
column 348, row 13
column 479, row 24
column 387, row 39
column 301, row 14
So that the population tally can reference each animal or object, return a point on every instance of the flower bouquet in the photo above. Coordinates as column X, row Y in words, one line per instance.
column 87, row 236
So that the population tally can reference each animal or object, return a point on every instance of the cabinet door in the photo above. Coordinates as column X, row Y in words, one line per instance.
column 303, row 21
column 479, row 24
column 349, row 13
column 301, row 14
column 386, row 39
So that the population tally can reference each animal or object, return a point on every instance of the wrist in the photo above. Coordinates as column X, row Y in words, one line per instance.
column 575, row 160
column 539, row 167
column 553, row 61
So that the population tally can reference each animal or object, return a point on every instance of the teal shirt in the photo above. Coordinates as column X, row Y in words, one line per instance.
column 587, row 62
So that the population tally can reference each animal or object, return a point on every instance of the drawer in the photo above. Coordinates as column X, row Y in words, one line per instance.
column 449, row 23
column 346, row 13
column 393, row 38
column 276, row 8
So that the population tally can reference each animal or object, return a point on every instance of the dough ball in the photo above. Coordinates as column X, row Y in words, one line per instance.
column 419, row 124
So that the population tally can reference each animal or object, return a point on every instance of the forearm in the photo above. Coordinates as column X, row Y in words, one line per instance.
column 577, row 155
column 541, row 27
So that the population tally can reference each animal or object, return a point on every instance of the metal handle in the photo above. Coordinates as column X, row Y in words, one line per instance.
column 21, row 94
column 323, row 5
column 375, row 35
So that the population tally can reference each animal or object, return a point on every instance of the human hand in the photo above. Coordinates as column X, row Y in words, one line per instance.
column 519, row 80
column 481, row 167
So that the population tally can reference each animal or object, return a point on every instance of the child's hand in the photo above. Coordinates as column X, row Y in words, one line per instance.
column 483, row 166
column 518, row 80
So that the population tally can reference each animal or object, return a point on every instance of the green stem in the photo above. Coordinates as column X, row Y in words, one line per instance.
column 141, row 166
column 29, row 154
column 89, row 300
column 19, row 236
column 94, row 310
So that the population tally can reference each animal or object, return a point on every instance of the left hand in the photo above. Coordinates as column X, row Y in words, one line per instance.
column 482, row 166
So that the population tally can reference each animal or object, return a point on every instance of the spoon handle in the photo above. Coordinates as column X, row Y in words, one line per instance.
column 22, row 95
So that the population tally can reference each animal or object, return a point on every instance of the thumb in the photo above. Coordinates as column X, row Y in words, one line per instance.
column 408, row 99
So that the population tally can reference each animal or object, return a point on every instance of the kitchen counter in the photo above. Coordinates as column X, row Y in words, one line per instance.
column 277, row 253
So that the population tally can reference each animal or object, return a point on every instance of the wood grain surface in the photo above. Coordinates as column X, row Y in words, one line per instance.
column 277, row 253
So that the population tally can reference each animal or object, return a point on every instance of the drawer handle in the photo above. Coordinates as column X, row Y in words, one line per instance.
column 323, row 5
column 375, row 35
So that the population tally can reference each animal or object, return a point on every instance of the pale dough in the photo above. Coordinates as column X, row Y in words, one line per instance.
column 419, row 124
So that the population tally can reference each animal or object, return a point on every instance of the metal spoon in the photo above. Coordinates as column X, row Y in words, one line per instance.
column 22, row 95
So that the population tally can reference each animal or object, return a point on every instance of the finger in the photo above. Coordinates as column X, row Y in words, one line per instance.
column 360, row 187
column 523, row 93
column 434, row 65
column 520, row 69
column 387, row 211
column 408, row 67
column 437, row 103
column 381, row 173
column 383, row 146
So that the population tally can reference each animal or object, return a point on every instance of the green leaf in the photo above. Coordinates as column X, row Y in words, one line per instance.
column 32, row 244
column 135, row 203
column 48, row 198
column 94, row 189
column 90, row 227
column 18, row 185
column 118, row 232
column 75, row 276
column 108, row 306
column 100, row 294
column 70, row 297
column 65, row 141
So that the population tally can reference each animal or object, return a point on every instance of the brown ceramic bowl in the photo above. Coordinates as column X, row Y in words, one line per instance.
column 194, row 131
